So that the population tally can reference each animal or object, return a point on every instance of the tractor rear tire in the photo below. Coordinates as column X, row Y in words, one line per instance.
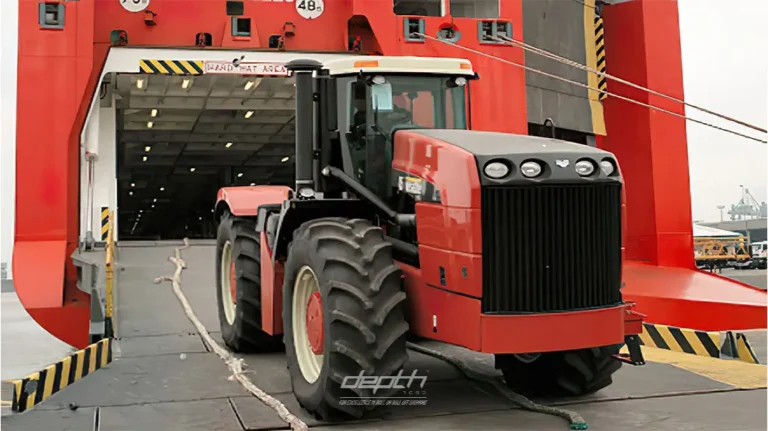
column 237, row 241
column 346, row 268
column 561, row 374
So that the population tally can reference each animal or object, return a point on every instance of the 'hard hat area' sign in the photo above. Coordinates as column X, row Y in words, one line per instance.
column 256, row 68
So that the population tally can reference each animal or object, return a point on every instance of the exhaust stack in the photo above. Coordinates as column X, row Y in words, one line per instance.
column 302, row 70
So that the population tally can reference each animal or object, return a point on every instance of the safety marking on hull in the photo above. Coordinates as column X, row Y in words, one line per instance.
column 591, row 61
column 37, row 387
column 171, row 67
column 602, row 82
column 699, row 343
column 104, row 223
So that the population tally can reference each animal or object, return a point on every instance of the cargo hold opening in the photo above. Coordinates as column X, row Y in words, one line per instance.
column 181, row 138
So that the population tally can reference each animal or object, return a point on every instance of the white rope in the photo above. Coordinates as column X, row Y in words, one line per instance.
column 235, row 365
column 560, row 78
column 544, row 53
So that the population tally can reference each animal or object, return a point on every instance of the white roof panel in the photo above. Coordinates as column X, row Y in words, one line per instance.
column 700, row 231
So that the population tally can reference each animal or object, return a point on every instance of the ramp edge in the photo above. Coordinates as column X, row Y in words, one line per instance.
column 39, row 386
column 722, row 345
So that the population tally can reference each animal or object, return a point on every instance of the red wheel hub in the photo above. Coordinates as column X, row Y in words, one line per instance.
column 232, row 283
column 315, row 323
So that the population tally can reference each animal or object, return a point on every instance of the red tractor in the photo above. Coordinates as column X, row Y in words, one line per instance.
column 402, row 221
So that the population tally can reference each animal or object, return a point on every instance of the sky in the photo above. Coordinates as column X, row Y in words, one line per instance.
column 725, row 69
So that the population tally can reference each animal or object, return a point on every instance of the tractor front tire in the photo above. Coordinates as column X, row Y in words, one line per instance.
column 561, row 374
column 343, row 314
column 238, row 287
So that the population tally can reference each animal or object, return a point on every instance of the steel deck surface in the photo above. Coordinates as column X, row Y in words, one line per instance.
column 163, row 378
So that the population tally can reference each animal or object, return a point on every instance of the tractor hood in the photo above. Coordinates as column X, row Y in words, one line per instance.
column 558, row 158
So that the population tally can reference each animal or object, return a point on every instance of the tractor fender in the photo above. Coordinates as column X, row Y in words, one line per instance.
column 296, row 212
column 245, row 201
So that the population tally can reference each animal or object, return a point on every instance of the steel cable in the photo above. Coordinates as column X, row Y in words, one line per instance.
column 560, row 78
column 520, row 44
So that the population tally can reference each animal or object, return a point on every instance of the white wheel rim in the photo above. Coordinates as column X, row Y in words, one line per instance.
column 310, row 363
column 226, row 285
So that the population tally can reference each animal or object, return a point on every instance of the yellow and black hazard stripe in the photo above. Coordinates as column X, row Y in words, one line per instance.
column 602, row 82
column 104, row 223
column 737, row 347
column 699, row 343
column 171, row 67
column 744, row 350
column 37, row 387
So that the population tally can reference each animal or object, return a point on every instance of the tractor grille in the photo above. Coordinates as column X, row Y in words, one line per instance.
column 551, row 248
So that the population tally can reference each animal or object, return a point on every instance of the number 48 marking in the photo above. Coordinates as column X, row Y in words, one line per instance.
column 309, row 5
column 310, row 9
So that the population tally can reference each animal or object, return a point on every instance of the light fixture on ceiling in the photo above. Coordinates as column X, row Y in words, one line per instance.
column 186, row 83
column 133, row 184
column 152, row 206
column 162, row 189
column 154, row 200
column 228, row 144
column 239, row 174
column 150, row 124
column 130, row 193
column 139, row 83
column 147, row 148
column 200, row 218
column 285, row 159
column 191, row 169
column 141, row 211
column 153, row 113
column 248, row 85
column 253, row 184
column 144, row 159
column 249, row 114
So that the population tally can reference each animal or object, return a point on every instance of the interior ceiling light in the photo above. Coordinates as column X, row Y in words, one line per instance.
column 150, row 124
column 239, row 174
column 253, row 184
column 249, row 85
column 191, row 169
column 285, row 159
column 248, row 114
column 200, row 218
column 154, row 200
column 147, row 148
column 130, row 193
column 152, row 206
column 133, row 184
column 154, row 113
column 162, row 189
column 144, row 159
column 185, row 83
column 141, row 211
column 229, row 144
column 139, row 83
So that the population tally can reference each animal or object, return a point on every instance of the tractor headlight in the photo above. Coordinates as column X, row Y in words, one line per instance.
column 496, row 170
column 585, row 168
column 531, row 169
column 607, row 167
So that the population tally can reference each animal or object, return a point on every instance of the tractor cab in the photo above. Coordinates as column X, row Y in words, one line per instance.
column 367, row 99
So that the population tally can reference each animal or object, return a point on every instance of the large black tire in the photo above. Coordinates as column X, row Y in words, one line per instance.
column 561, row 374
column 244, row 334
column 363, row 308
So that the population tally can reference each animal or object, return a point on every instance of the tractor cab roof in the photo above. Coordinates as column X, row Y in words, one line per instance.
column 399, row 64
